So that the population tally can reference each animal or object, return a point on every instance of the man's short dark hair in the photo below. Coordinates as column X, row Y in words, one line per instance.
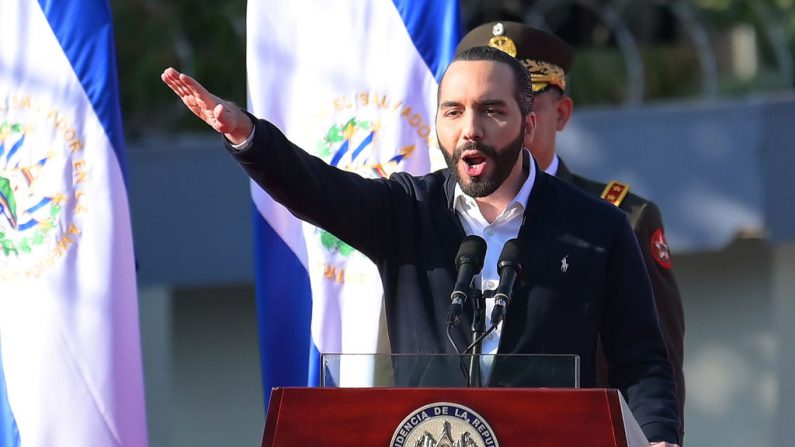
column 522, row 85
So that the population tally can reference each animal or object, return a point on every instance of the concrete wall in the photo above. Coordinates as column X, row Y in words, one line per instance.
column 730, row 345
column 201, row 366
column 191, row 213
column 784, row 324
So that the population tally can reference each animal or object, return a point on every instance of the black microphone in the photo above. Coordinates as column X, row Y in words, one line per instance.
column 468, row 261
column 509, row 268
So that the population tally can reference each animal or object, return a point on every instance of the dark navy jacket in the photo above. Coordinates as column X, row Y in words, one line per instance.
column 646, row 221
column 408, row 227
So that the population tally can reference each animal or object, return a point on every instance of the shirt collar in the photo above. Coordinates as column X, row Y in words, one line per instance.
column 552, row 169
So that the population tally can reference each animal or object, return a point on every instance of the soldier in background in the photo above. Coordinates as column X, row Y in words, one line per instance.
column 548, row 60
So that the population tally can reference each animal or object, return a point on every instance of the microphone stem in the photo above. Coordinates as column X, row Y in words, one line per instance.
column 478, row 328
column 482, row 336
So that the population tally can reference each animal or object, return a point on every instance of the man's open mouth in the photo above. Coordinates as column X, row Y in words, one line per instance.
column 475, row 163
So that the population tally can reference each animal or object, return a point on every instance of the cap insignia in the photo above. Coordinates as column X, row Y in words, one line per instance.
column 544, row 74
column 500, row 41
column 504, row 44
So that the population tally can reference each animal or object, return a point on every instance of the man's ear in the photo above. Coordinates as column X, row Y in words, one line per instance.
column 564, row 106
column 529, row 128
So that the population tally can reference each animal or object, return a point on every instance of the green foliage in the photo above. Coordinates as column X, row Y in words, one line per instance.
column 204, row 38
column 670, row 71
column 599, row 76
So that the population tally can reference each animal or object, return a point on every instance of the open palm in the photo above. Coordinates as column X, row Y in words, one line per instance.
column 223, row 116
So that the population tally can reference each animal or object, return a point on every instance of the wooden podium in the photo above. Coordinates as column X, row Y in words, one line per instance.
column 507, row 417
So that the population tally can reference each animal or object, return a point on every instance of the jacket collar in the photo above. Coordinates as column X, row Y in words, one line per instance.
column 563, row 171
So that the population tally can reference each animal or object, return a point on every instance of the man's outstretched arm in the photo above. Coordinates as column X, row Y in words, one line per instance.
column 223, row 116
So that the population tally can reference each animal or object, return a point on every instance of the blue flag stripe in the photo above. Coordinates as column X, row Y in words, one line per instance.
column 362, row 146
column 15, row 148
column 313, row 378
column 340, row 152
column 41, row 203
column 435, row 29
column 284, row 346
column 82, row 44
column 9, row 433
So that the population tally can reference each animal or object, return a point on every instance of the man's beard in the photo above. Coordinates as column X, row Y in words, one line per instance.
column 503, row 159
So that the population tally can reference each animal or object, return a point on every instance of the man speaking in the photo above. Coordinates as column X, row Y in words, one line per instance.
column 583, row 276
column 549, row 59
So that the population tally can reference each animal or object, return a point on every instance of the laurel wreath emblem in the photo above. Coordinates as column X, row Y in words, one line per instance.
column 15, row 239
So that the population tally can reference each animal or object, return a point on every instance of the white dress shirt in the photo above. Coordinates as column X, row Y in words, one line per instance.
column 506, row 226
column 552, row 169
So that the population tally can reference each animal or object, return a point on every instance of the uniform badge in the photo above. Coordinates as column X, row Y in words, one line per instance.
column 615, row 192
column 443, row 424
column 659, row 249
column 500, row 41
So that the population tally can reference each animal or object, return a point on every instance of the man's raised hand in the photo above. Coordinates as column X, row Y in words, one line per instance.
column 223, row 116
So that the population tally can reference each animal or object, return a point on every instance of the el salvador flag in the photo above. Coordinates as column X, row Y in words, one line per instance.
column 70, row 359
column 353, row 82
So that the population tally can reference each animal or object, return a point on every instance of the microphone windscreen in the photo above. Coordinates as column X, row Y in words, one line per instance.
column 510, row 254
column 473, row 251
